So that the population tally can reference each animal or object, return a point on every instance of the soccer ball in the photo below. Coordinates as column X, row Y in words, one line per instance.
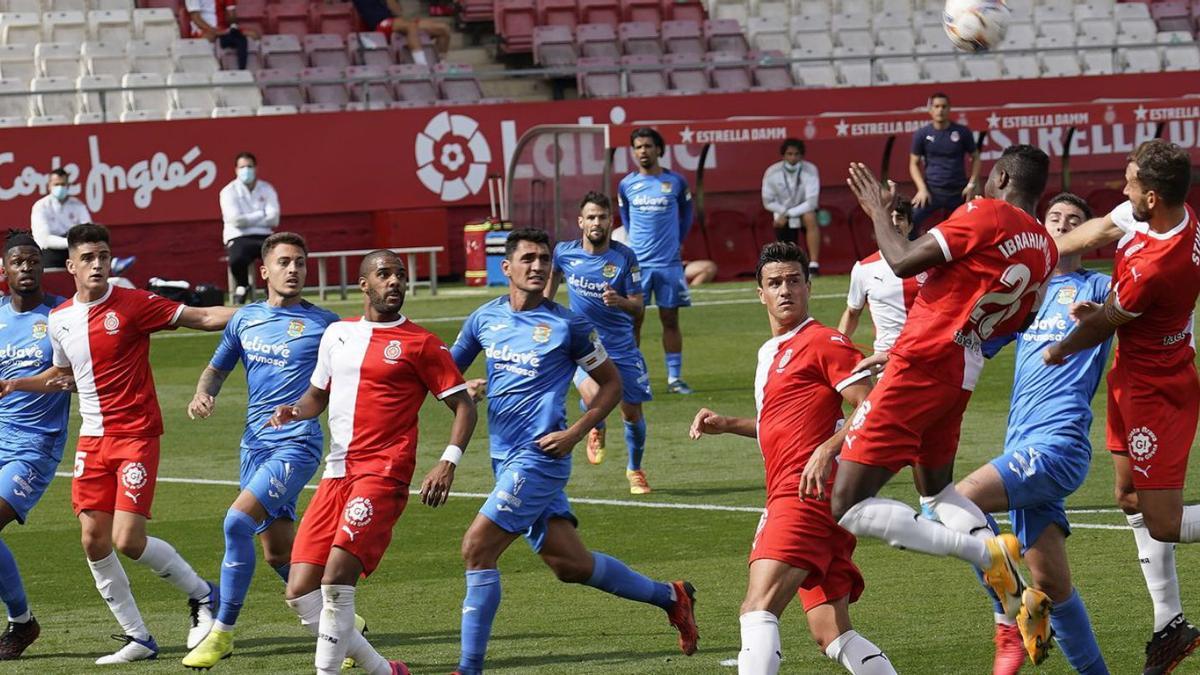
column 976, row 25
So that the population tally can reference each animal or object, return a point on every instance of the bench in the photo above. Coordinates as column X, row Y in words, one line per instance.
column 410, row 254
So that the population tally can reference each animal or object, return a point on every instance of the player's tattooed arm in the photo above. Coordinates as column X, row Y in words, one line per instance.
column 52, row 380
column 906, row 258
column 1095, row 324
column 560, row 443
column 816, row 472
column 311, row 404
column 1089, row 235
column 205, row 318
column 205, row 398
column 709, row 422
column 435, row 489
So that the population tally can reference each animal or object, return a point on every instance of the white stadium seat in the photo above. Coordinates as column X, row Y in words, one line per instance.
column 1021, row 66
column 20, row 28
column 277, row 110
column 856, row 73
column 57, row 59
column 815, row 74
column 156, row 24
column 899, row 71
column 190, row 114
column 1096, row 32
column 1020, row 37
column 230, row 95
column 50, row 120
column 194, row 56
column 90, row 118
column 61, row 102
column 149, row 56
column 65, row 27
column 1097, row 61
column 16, row 102
column 111, row 25
column 99, row 94
column 812, row 45
column 146, row 91
column 1139, row 60
column 942, row 69
column 1061, row 64
column 854, row 43
column 189, row 97
column 1181, row 57
column 233, row 111
column 143, row 115
column 982, row 67
column 105, row 58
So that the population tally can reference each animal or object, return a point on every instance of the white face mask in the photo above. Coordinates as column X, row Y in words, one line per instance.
column 59, row 192
column 246, row 174
column 790, row 167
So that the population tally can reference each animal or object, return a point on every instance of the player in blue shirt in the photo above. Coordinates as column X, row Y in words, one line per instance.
column 532, row 347
column 33, row 427
column 603, row 284
column 276, row 341
column 656, row 208
column 1046, row 458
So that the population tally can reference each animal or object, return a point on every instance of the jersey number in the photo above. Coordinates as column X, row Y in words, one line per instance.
column 995, row 308
column 79, row 457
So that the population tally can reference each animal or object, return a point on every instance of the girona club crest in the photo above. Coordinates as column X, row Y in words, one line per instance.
column 359, row 512
column 112, row 322
column 392, row 351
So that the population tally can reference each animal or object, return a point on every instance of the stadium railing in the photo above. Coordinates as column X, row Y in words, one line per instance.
column 410, row 254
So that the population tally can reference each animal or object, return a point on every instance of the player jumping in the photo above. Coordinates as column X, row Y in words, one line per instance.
column 603, row 285
column 805, row 372
column 1153, row 390
column 533, row 346
column 991, row 257
column 372, row 374
column 276, row 341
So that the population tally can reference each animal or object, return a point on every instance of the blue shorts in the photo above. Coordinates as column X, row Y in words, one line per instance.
column 1038, row 477
column 665, row 286
column 525, row 498
column 276, row 476
column 27, row 463
column 635, row 379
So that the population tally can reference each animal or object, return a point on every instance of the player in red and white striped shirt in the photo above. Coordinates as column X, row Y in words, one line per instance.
column 373, row 374
column 101, row 338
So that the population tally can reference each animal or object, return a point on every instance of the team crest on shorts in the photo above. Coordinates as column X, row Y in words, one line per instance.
column 1142, row 443
column 39, row 330
column 541, row 333
column 609, row 271
column 860, row 415
column 112, row 322
column 295, row 328
column 134, row 476
column 359, row 512
column 1066, row 295
column 392, row 351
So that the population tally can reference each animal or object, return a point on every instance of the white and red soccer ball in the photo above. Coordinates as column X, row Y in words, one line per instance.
column 976, row 25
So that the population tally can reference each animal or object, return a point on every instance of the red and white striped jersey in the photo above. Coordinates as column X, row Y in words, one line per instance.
column 377, row 375
column 106, row 344
column 872, row 282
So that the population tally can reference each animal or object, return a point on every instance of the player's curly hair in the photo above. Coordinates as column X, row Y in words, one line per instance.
column 781, row 252
column 1165, row 169
column 598, row 198
column 530, row 234
column 16, row 238
column 648, row 132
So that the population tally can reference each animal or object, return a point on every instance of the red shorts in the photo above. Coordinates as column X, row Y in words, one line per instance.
column 356, row 514
column 1152, row 418
column 803, row 534
column 909, row 418
column 115, row 473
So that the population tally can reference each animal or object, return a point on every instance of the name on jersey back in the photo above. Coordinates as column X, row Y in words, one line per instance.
column 1027, row 240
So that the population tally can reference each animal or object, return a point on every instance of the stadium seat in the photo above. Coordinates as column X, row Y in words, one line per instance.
column 143, row 115
column 98, row 94
column 725, row 36
column 254, row 61
column 50, row 120
column 1020, row 37
column 1061, row 64
column 61, row 102
column 772, row 71
column 18, row 28
column 606, row 12
column 194, row 56
column 898, row 70
column 1136, row 32
column 554, row 47
column 334, row 18
column 767, row 34
column 598, row 76
column 372, row 86
column 895, row 6
column 146, row 91
column 189, row 92
column 321, row 108
column 277, row 110
column 942, row 69
column 557, row 13
column 189, row 114
column 815, row 74
column 1056, row 34
column 863, row 7
column 1174, row 37
column 321, row 86
column 644, row 74
column 401, row 53
column 110, row 25
column 288, row 17
column 34, row 6
column 686, row 73
column 326, row 50
column 597, row 40
column 414, row 83
column 729, row 71
column 16, row 61
column 933, row 40
column 854, row 43
column 244, row 111
column 13, row 105
column 982, row 67
column 57, row 59
column 1131, row 11
column 368, row 49
column 800, row 23
column 457, row 83
column 1096, row 32
column 779, row 11
column 855, row 73
column 282, row 52
column 1181, row 58
column 146, row 56
column 1093, row 10
column 9, row 122
column 639, row 37
column 683, row 10
column 90, row 118
column 1139, row 60
column 280, row 87
column 1049, row 12
column 236, row 88
column 813, row 45
column 64, row 27
column 898, row 40
column 841, row 22
column 1021, row 67
column 645, row 10
column 156, row 25
column 252, row 16
column 514, row 21
column 682, row 37
column 1097, row 61
column 812, row 8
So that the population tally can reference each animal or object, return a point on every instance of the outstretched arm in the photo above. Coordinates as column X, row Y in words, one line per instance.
column 710, row 423
column 1090, row 235
column 50, row 381
column 906, row 258
column 205, row 318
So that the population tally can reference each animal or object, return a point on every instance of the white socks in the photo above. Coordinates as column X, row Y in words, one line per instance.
column 901, row 526
column 1158, row 567
column 858, row 655
column 114, row 588
column 1189, row 524
column 958, row 513
column 168, row 564
column 760, row 644
column 309, row 609
column 337, row 622
column 419, row 58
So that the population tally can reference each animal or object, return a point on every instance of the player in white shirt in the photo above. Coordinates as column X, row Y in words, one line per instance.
column 873, row 284
column 250, row 212
column 54, row 214
column 790, row 190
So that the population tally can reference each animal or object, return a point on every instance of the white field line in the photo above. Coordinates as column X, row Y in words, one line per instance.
column 634, row 504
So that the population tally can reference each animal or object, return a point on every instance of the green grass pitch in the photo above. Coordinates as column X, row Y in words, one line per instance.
column 927, row 613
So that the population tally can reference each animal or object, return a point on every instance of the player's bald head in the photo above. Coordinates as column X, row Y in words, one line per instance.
column 373, row 260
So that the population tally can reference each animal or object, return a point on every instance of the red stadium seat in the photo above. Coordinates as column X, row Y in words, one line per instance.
column 414, row 83
column 639, row 37
column 457, row 83
column 252, row 16
column 683, row 10
column 686, row 73
column 553, row 46
column 641, row 10
column 600, row 11
column 289, row 17
column 283, row 52
column 772, row 70
column 475, row 11
column 725, row 35
column 374, row 89
column 280, row 87
column 729, row 71
column 598, row 76
column 597, row 40
column 515, row 20
column 326, row 50
column 321, row 85
column 645, row 74
column 369, row 49
column 336, row 18
column 682, row 37
column 557, row 13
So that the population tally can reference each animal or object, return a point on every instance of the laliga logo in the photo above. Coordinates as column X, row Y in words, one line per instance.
column 452, row 156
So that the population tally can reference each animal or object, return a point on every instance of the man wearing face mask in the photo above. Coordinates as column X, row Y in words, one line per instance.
column 53, row 215
column 250, row 211
column 790, row 189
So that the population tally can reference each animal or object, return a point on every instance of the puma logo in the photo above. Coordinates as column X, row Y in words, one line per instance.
column 1144, row 471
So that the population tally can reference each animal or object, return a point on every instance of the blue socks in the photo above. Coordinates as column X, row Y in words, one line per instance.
column 635, row 440
column 479, row 610
column 1073, row 630
column 238, row 567
column 283, row 571
column 12, row 591
column 613, row 576
column 674, row 366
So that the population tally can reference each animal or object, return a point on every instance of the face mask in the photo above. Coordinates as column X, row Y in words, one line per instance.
column 59, row 192
column 246, row 174
column 790, row 167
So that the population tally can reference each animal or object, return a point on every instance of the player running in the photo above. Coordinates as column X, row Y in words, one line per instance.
column 372, row 373
column 603, row 285
column 101, row 337
column 1046, row 457
column 1153, row 390
column 276, row 341
column 804, row 373
column 991, row 257
column 33, row 427
column 656, row 209
column 532, row 347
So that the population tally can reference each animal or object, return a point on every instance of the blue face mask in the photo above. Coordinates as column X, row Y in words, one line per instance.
column 246, row 174
column 59, row 192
